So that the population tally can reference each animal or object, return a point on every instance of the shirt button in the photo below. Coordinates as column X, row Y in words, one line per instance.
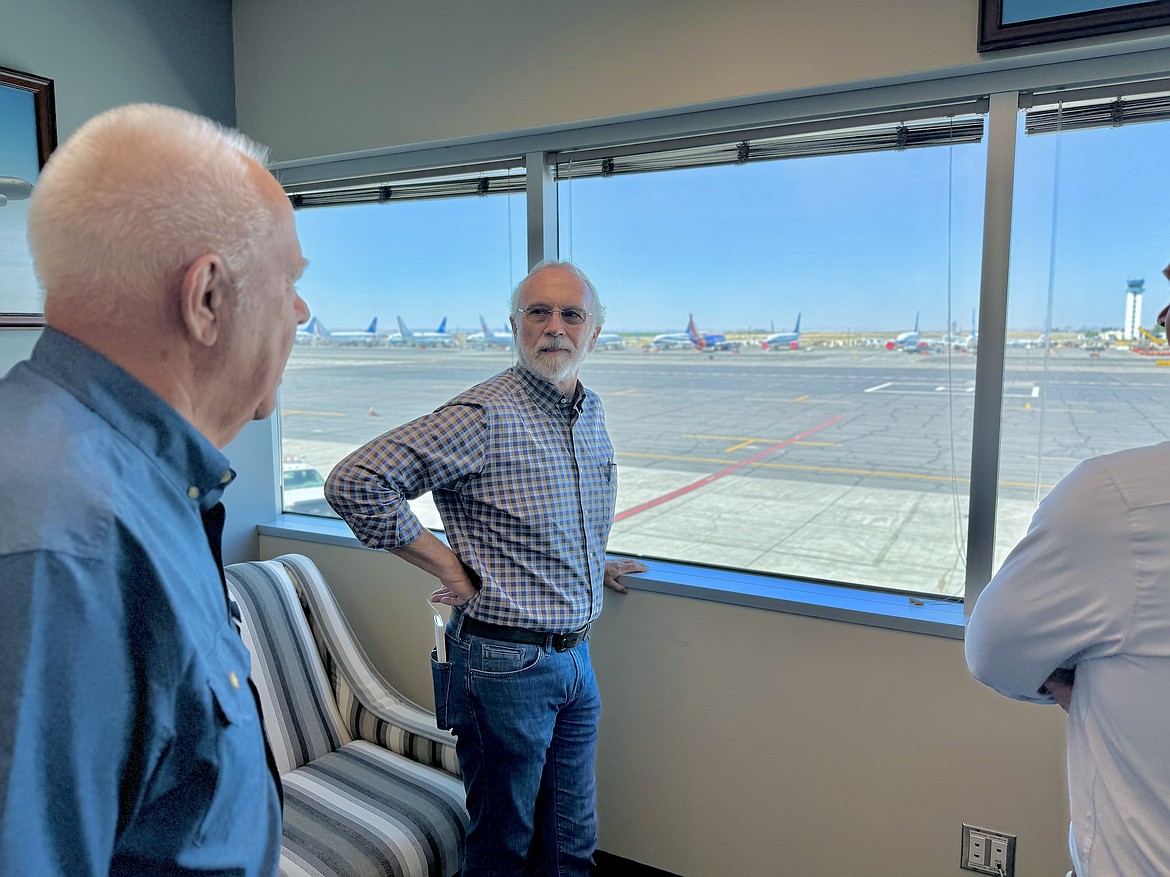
column 234, row 679
column 227, row 477
column 193, row 492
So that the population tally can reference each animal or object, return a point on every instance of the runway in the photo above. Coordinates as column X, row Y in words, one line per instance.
column 846, row 464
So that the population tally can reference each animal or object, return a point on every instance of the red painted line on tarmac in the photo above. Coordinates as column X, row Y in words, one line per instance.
column 702, row 482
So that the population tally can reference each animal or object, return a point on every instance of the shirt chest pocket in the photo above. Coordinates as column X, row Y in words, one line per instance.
column 238, row 768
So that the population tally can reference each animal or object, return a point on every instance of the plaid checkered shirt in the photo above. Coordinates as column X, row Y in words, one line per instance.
column 524, row 479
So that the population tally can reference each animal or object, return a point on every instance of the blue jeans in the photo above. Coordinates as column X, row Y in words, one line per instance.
column 526, row 721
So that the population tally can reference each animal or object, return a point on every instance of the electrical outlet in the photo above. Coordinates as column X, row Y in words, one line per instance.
column 988, row 852
column 1001, row 853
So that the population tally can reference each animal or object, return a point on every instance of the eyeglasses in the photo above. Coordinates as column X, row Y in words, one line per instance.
column 538, row 315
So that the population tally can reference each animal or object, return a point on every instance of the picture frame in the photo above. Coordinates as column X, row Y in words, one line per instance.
column 1008, row 24
column 28, row 135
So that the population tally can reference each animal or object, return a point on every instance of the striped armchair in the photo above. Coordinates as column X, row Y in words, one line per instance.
column 371, row 785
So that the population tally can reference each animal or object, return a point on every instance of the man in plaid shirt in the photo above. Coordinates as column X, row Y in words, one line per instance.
column 522, row 472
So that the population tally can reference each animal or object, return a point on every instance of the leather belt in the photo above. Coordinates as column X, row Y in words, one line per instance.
column 560, row 642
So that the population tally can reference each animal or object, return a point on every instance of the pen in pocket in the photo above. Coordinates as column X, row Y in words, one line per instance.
column 440, row 635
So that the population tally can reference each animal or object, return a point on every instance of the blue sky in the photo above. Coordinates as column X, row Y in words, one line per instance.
column 856, row 243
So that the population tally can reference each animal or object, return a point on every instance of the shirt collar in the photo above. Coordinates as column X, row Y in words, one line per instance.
column 549, row 396
column 191, row 462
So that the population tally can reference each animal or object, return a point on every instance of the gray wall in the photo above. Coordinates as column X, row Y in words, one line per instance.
column 316, row 79
column 101, row 55
column 321, row 78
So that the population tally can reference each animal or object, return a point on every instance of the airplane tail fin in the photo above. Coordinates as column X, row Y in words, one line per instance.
column 442, row 327
column 406, row 333
column 483, row 325
column 796, row 328
column 373, row 330
column 696, row 339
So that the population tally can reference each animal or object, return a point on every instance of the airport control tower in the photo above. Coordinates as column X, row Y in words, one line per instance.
column 1133, row 308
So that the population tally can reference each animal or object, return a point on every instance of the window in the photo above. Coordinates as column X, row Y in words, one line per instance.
column 816, row 420
column 399, row 276
column 1090, row 240
column 790, row 357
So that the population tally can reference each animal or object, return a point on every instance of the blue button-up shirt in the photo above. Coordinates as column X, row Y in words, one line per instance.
column 130, row 740
column 524, row 479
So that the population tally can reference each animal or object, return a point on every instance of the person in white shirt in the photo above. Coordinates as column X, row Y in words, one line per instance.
column 1079, row 615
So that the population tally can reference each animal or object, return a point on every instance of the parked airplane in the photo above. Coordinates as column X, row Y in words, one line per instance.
column 692, row 337
column 367, row 336
column 908, row 341
column 314, row 332
column 954, row 340
column 438, row 338
column 610, row 341
column 14, row 189
column 780, row 340
column 1028, row 343
column 488, row 338
column 311, row 333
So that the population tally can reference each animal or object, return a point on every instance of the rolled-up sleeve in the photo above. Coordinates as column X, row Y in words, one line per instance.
column 1064, row 593
column 371, row 488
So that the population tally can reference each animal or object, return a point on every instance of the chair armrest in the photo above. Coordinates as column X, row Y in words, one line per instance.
column 372, row 708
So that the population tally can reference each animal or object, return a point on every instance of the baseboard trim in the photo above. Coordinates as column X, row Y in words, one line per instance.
column 609, row 865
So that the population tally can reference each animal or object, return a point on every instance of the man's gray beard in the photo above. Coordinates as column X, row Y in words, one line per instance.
column 546, row 371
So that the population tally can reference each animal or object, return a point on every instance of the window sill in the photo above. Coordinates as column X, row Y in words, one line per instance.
column 815, row 599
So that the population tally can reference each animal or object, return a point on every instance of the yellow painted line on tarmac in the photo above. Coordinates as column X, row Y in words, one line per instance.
column 629, row 392
column 800, row 398
column 314, row 413
column 718, row 461
column 744, row 441
column 872, row 473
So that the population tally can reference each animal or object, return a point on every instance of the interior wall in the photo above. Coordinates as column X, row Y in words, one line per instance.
column 101, row 55
column 321, row 79
column 317, row 79
column 743, row 741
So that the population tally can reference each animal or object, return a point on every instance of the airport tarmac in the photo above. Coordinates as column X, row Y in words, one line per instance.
column 846, row 464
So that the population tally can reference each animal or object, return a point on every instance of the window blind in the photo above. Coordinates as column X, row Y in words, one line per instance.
column 1111, row 113
column 911, row 135
column 410, row 190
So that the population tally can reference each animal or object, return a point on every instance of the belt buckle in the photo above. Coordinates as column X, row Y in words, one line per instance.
column 563, row 642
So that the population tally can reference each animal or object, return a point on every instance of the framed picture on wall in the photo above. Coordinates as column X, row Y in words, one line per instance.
column 1006, row 24
column 28, row 133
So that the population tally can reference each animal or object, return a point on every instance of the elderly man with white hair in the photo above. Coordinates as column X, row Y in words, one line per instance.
column 523, row 474
column 130, row 734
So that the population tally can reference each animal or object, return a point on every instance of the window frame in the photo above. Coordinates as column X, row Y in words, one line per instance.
column 539, row 151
